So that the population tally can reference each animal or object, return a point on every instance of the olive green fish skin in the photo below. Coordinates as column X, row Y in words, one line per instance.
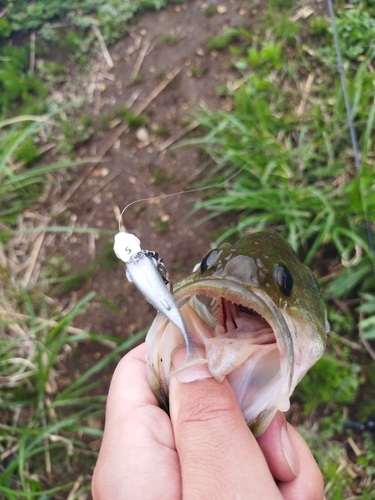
column 267, row 327
column 263, row 251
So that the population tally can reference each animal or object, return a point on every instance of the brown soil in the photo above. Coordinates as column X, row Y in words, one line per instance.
column 138, row 165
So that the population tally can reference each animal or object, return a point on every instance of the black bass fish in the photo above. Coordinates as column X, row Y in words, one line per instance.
column 258, row 313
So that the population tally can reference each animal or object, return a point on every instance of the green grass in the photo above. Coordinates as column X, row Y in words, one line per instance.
column 222, row 41
column 20, row 184
column 356, row 31
column 25, row 86
column 107, row 258
column 19, row 87
column 42, row 16
column 49, row 421
column 293, row 169
column 329, row 381
column 284, row 154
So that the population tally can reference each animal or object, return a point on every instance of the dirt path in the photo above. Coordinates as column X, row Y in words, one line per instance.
column 138, row 165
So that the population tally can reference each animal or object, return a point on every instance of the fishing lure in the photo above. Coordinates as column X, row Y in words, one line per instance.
column 148, row 272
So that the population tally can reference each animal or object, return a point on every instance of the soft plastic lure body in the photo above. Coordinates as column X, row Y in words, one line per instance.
column 144, row 268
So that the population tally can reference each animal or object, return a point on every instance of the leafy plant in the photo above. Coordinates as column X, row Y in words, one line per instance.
column 18, row 86
column 328, row 381
column 130, row 117
column 283, row 28
column 113, row 16
column 221, row 41
column 355, row 29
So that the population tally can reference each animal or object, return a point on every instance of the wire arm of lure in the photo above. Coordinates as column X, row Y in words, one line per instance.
column 142, row 268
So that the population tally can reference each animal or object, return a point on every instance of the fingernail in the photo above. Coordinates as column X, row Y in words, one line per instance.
column 288, row 450
column 188, row 373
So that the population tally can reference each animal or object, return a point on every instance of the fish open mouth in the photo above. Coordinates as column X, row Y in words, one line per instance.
column 245, row 338
column 231, row 319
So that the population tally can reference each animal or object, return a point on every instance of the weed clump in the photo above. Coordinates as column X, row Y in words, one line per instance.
column 221, row 41
column 328, row 381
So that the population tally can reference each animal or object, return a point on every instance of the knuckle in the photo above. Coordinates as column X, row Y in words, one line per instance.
column 207, row 407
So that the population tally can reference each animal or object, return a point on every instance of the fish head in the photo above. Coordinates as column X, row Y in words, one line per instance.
column 258, row 314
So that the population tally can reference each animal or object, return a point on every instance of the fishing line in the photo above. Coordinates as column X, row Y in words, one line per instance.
column 163, row 196
column 148, row 272
column 349, row 113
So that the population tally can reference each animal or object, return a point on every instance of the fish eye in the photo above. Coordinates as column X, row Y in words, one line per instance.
column 284, row 279
column 210, row 259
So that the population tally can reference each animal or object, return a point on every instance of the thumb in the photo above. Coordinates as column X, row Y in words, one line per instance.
column 278, row 449
column 219, row 456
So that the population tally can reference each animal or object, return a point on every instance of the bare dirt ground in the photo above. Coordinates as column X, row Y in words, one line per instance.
column 165, row 61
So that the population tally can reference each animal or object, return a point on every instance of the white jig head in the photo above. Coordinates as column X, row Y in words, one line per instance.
column 126, row 246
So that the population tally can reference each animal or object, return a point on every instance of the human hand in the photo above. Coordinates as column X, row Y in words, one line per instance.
column 205, row 450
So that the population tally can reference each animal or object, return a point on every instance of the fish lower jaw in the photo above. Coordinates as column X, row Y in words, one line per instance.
column 238, row 344
column 248, row 355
